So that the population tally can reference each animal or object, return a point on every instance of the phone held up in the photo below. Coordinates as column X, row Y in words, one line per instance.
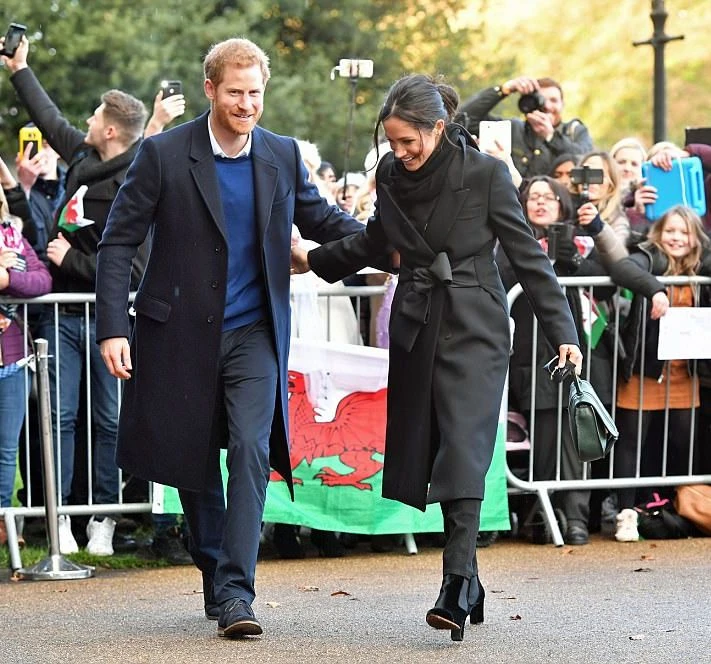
column 171, row 88
column 30, row 135
column 13, row 37
column 585, row 176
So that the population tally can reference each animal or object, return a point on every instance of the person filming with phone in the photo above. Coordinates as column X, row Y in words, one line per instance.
column 576, row 249
column 97, row 161
column 542, row 136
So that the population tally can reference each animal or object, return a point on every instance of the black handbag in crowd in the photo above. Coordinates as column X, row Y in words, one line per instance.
column 592, row 427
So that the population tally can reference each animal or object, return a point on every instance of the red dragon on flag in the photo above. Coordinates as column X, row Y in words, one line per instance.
column 355, row 435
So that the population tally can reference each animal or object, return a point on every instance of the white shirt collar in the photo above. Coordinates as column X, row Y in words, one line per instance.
column 219, row 152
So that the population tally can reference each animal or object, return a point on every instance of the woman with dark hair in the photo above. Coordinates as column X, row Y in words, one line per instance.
column 580, row 251
column 442, row 206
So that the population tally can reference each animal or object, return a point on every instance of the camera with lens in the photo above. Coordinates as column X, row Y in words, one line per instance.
column 533, row 101
column 585, row 176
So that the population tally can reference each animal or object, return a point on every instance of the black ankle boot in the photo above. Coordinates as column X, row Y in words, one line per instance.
column 476, row 601
column 451, row 608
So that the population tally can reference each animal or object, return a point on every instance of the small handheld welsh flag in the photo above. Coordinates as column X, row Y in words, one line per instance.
column 72, row 217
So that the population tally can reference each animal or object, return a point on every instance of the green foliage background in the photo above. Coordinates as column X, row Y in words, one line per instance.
column 80, row 48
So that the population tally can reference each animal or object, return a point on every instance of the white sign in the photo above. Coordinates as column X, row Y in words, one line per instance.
column 684, row 334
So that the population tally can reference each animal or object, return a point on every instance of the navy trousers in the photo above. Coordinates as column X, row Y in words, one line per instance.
column 225, row 530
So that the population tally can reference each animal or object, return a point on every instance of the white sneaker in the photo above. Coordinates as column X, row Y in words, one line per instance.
column 101, row 535
column 627, row 526
column 67, row 543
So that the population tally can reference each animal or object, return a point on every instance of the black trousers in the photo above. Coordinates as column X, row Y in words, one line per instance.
column 224, row 538
column 575, row 504
column 650, row 464
column 461, row 527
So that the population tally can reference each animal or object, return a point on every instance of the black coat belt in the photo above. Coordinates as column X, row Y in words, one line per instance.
column 418, row 283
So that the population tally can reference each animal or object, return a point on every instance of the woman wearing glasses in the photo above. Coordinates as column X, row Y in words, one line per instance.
column 575, row 250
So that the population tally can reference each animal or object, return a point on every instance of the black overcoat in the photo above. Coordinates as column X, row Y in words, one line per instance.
column 168, row 413
column 449, row 326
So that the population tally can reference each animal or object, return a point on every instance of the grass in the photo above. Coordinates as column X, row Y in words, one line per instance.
column 33, row 554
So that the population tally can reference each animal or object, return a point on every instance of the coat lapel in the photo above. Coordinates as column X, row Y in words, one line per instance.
column 391, row 214
column 448, row 205
column 204, row 173
column 266, row 173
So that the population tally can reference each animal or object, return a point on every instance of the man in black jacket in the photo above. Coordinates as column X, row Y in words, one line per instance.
column 97, row 163
column 542, row 136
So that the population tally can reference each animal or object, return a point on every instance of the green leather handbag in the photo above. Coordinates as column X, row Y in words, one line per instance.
column 592, row 427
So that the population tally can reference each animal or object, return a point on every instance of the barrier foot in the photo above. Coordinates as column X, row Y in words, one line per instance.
column 12, row 542
column 55, row 568
column 545, row 499
column 410, row 544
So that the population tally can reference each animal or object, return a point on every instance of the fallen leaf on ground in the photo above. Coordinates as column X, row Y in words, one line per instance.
column 643, row 569
column 340, row 593
column 516, row 617
column 646, row 556
column 272, row 605
column 308, row 589
column 637, row 637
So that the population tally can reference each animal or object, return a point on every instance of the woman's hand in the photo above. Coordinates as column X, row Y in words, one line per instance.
column 665, row 158
column 644, row 194
column 572, row 353
column 660, row 304
column 299, row 260
column 586, row 213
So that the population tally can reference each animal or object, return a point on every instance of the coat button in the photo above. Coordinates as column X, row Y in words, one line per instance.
column 213, row 284
column 218, row 250
column 210, row 319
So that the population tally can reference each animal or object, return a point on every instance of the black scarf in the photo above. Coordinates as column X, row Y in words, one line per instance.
column 417, row 192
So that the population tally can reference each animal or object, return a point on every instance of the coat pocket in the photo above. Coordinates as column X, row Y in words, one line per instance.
column 152, row 307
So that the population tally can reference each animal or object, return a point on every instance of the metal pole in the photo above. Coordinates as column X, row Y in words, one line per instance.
column 658, row 42
column 55, row 566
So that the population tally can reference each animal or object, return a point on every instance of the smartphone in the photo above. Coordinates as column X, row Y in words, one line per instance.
column 492, row 132
column 30, row 136
column 355, row 68
column 13, row 37
column 171, row 88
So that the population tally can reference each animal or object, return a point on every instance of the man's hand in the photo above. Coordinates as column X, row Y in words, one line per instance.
column 29, row 168
column 523, row 85
column 164, row 112
column 57, row 249
column 541, row 124
column 116, row 354
column 19, row 60
column 299, row 260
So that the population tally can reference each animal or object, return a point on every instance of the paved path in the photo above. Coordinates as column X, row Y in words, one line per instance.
column 606, row 602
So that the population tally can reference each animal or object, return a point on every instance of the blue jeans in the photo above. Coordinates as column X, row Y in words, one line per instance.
column 69, row 351
column 12, row 414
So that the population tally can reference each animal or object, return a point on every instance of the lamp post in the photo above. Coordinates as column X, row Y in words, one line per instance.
column 658, row 41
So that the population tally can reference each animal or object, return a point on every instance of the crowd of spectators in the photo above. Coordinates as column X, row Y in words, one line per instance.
column 54, row 205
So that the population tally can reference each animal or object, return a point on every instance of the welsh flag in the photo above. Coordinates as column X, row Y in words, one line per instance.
column 594, row 318
column 337, row 397
column 72, row 216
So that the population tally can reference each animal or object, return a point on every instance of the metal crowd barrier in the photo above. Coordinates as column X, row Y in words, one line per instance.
column 544, row 488
column 517, row 484
column 31, row 443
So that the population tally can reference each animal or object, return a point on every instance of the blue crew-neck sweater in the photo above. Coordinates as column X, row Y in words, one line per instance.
column 246, row 300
